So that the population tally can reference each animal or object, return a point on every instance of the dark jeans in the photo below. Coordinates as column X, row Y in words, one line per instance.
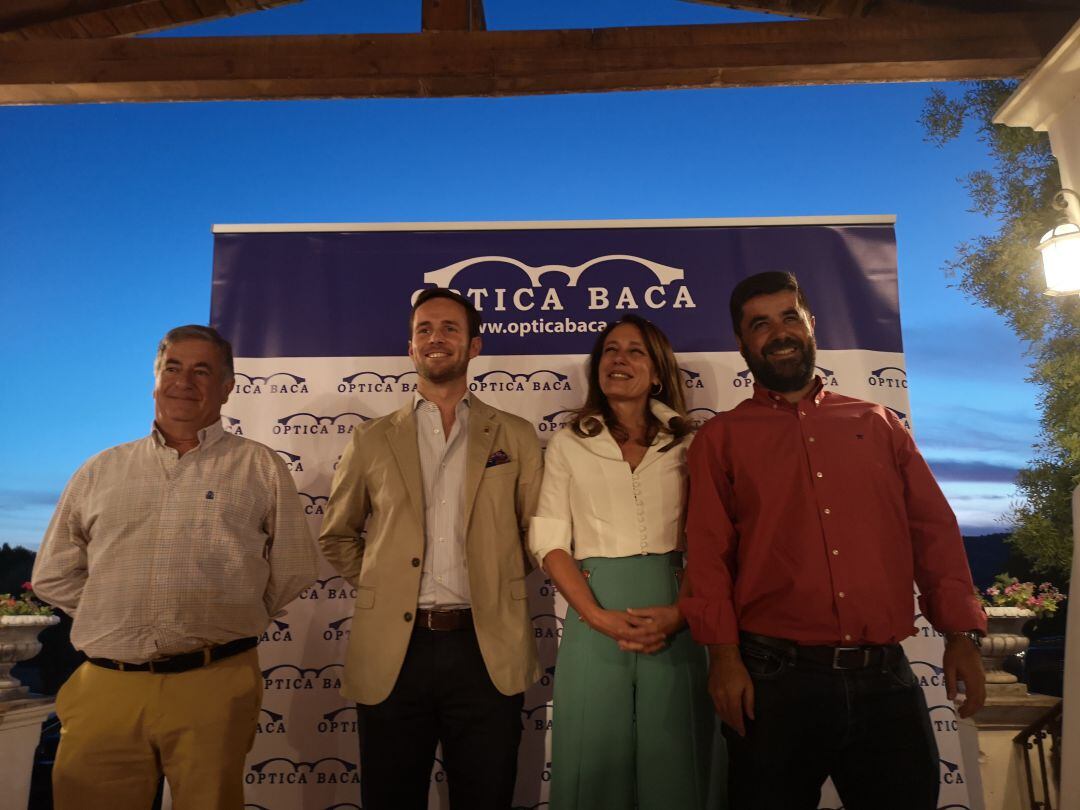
column 443, row 694
column 868, row 729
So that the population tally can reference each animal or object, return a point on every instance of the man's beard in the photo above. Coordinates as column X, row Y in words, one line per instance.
column 792, row 373
column 443, row 375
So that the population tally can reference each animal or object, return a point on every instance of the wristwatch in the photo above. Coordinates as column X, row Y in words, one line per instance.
column 974, row 636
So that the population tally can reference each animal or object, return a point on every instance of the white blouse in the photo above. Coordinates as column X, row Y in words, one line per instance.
column 593, row 505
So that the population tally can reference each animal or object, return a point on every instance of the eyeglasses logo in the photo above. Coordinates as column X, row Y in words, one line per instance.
column 524, row 299
column 279, row 382
column 543, row 379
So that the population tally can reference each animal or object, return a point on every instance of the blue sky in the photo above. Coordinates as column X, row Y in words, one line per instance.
column 105, row 215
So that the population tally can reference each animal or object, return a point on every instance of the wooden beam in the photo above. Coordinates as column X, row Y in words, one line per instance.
column 895, row 9
column 82, row 19
column 452, row 15
column 505, row 63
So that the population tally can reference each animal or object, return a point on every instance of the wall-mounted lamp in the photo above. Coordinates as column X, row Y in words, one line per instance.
column 1060, row 250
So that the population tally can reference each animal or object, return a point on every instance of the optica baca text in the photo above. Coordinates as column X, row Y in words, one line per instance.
column 518, row 385
column 748, row 382
column 329, row 593
column 296, row 684
column 524, row 299
column 338, row 726
column 375, row 387
column 312, row 430
column 301, row 778
column 276, row 635
column 270, row 388
column 886, row 382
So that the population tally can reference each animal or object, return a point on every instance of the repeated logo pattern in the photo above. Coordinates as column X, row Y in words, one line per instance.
column 307, row 740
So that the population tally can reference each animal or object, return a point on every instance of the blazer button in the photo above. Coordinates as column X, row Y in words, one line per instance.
column 408, row 617
column 415, row 562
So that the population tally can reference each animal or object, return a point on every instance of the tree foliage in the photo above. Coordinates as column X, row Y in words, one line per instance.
column 1003, row 272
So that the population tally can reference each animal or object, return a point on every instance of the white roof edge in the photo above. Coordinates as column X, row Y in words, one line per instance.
column 1047, row 89
column 315, row 227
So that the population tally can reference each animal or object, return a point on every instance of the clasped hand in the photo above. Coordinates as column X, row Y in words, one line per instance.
column 643, row 630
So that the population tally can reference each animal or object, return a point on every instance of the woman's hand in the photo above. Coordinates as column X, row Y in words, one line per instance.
column 623, row 628
column 661, row 620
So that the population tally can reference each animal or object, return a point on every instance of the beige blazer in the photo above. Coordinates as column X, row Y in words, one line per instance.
column 378, row 481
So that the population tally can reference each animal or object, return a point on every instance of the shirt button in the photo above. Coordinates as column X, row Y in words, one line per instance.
column 436, row 430
column 802, row 413
column 811, row 439
column 841, row 594
column 847, row 637
column 819, row 475
column 836, row 552
column 415, row 562
column 408, row 617
column 828, row 511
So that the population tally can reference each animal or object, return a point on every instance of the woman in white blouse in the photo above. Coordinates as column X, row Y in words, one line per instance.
column 633, row 724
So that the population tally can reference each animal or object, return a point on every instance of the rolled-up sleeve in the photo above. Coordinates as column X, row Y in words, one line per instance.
column 551, row 527
column 292, row 553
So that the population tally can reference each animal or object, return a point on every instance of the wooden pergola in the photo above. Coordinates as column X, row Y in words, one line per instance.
column 79, row 51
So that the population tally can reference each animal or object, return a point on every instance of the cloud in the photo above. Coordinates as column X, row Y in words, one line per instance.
column 967, row 432
column 940, row 355
column 975, row 471
column 12, row 500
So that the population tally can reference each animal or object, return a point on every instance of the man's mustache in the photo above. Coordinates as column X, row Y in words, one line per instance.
column 782, row 343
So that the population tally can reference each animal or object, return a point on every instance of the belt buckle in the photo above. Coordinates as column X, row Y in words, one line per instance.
column 838, row 650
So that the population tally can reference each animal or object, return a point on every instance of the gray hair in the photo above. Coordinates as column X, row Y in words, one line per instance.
column 196, row 332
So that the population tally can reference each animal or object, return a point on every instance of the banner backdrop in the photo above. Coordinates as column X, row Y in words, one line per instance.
column 318, row 318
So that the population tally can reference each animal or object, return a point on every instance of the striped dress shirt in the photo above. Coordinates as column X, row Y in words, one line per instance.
column 444, row 580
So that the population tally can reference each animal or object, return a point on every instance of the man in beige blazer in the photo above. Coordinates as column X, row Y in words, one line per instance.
column 426, row 518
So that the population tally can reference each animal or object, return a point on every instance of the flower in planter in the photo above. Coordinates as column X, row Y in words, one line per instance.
column 1042, row 600
column 25, row 605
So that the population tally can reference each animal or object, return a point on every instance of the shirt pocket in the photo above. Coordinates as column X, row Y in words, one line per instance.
column 500, row 470
column 227, row 512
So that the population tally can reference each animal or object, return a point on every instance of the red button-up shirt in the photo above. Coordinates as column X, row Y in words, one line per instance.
column 810, row 521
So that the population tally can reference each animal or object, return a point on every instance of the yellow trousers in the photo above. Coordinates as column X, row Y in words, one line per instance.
column 122, row 730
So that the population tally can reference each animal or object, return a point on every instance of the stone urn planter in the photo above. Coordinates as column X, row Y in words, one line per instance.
column 1004, row 637
column 18, row 642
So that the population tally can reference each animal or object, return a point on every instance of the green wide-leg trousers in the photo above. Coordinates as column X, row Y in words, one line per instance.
column 632, row 730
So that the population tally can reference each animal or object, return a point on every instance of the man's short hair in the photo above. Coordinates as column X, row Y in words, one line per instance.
column 471, row 315
column 763, row 284
column 195, row 332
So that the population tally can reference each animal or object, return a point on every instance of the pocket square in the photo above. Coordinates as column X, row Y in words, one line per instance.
column 497, row 458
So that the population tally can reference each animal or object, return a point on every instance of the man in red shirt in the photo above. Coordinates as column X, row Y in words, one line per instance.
column 811, row 514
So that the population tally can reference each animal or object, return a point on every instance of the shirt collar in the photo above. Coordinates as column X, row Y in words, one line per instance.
column 464, row 402
column 816, row 394
column 662, row 412
column 207, row 436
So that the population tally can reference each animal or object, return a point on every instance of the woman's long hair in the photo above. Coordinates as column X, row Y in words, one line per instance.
column 597, row 407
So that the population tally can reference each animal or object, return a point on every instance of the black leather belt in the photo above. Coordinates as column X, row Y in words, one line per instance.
column 184, row 661
column 864, row 656
column 444, row 619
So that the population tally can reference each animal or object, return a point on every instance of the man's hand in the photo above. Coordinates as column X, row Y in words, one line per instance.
column 730, row 686
column 664, row 620
column 962, row 662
